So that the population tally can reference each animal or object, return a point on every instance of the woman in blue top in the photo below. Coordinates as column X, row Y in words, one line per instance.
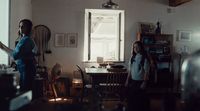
column 24, row 55
column 137, row 76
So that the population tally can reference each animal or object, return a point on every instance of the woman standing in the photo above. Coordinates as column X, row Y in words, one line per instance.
column 137, row 78
column 24, row 55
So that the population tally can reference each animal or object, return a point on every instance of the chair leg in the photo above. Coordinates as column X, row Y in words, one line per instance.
column 82, row 95
column 54, row 91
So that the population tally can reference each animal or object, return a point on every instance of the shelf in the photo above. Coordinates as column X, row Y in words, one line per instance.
column 159, row 47
column 155, row 45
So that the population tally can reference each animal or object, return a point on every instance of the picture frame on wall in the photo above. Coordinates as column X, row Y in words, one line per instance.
column 59, row 40
column 71, row 40
column 184, row 35
column 147, row 27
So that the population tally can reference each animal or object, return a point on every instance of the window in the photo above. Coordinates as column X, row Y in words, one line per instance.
column 4, row 29
column 104, row 35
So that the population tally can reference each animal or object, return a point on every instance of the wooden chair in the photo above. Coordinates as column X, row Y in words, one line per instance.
column 84, row 85
column 59, row 87
column 112, row 88
column 54, row 76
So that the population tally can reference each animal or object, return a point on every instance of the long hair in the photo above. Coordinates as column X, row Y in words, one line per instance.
column 142, row 51
column 28, row 24
column 139, row 44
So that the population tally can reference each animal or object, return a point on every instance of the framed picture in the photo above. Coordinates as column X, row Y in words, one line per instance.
column 185, row 35
column 71, row 40
column 59, row 40
column 146, row 27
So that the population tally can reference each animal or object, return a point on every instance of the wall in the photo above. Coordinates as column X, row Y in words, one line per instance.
column 63, row 16
column 20, row 9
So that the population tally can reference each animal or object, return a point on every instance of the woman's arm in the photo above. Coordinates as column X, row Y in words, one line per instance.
column 146, row 69
column 127, row 79
column 5, row 48
column 129, row 73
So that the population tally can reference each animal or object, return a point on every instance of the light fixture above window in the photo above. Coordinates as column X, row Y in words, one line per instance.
column 110, row 5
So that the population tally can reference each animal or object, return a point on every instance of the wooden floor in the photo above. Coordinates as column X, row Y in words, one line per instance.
column 156, row 104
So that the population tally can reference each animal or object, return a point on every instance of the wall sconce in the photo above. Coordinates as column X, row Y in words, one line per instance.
column 110, row 5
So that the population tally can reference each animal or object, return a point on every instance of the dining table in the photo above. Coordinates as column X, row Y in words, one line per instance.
column 98, row 75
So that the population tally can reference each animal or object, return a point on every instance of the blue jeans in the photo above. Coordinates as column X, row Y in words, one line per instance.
column 27, row 74
column 137, row 99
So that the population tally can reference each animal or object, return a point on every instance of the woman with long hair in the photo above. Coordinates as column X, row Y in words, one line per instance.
column 137, row 77
column 23, row 54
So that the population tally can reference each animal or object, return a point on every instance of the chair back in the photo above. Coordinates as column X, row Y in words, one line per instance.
column 55, row 72
column 114, row 85
column 54, row 76
column 82, row 74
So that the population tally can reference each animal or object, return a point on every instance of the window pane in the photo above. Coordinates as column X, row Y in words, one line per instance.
column 106, row 48
column 104, row 35
column 4, row 11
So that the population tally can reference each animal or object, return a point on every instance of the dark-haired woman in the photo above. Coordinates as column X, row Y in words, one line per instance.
column 137, row 77
column 24, row 53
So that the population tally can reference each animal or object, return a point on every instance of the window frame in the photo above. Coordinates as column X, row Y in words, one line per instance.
column 87, row 34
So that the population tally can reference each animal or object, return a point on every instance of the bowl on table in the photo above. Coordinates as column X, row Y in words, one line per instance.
column 103, row 65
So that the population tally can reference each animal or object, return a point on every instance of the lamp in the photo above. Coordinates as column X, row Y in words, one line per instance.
column 110, row 5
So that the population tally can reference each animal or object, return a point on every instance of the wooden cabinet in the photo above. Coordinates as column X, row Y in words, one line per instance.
column 175, row 3
column 159, row 48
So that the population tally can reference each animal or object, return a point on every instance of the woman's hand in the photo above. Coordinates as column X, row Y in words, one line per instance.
column 5, row 48
column 127, row 80
column 1, row 45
